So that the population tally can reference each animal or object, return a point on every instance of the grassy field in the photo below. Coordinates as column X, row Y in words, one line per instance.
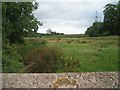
column 93, row 53
column 62, row 53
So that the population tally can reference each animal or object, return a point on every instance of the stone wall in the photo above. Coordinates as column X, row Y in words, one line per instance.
column 60, row 80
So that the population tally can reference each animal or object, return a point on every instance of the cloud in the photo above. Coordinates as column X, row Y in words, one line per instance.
column 69, row 16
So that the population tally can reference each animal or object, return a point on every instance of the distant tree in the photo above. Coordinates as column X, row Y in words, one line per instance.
column 61, row 33
column 17, row 19
column 49, row 31
column 54, row 33
column 95, row 30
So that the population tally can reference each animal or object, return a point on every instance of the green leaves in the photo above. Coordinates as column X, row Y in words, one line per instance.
column 11, row 61
column 110, row 25
column 95, row 29
column 17, row 18
column 110, row 18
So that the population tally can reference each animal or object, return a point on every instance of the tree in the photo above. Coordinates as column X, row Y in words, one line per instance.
column 111, row 19
column 49, row 31
column 95, row 30
column 18, row 18
column 110, row 26
column 118, row 17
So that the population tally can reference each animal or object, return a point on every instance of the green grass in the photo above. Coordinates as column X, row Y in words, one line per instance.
column 64, row 54
column 94, row 54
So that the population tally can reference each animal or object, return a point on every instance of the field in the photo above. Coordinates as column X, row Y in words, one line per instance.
column 93, row 54
column 66, row 53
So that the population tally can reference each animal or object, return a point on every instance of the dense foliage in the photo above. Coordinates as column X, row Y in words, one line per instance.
column 95, row 30
column 12, row 60
column 17, row 19
column 110, row 25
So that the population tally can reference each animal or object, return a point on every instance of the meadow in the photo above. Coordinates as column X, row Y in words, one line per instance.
column 94, row 53
column 85, row 54
column 62, row 53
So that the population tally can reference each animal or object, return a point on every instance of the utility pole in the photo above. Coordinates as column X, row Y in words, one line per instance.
column 96, row 17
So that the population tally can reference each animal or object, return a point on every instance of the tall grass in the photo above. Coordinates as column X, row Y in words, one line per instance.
column 47, row 55
column 95, row 54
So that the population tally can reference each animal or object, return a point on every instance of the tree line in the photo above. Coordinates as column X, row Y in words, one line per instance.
column 110, row 24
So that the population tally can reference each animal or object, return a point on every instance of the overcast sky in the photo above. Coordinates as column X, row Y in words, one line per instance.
column 69, row 16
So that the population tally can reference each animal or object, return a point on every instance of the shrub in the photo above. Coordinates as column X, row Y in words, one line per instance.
column 72, row 40
column 68, row 64
column 11, row 60
column 84, row 41
column 59, row 38
column 79, row 41
column 68, row 41
column 48, row 60
column 42, row 59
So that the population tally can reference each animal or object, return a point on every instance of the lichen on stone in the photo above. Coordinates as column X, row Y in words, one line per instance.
column 64, row 81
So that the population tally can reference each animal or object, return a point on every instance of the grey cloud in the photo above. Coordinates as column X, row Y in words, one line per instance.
column 74, row 14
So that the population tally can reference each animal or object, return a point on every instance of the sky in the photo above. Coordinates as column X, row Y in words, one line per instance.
column 69, row 16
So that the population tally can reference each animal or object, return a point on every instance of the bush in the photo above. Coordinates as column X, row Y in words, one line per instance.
column 49, row 60
column 11, row 60
column 68, row 64
column 84, row 41
column 59, row 38
column 42, row 59
column 107, row 33
column 68, row 41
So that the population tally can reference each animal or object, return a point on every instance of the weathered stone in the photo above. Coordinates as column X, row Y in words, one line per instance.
column 60, row 80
